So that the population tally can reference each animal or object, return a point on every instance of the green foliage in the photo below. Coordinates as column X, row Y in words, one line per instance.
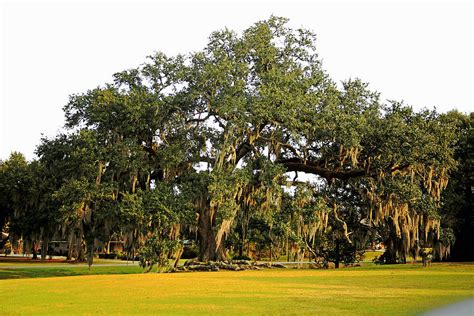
column 155, row 251
column 457, row 211
column 201, row 146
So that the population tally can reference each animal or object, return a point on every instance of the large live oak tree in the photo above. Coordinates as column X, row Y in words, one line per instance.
column 220, row 130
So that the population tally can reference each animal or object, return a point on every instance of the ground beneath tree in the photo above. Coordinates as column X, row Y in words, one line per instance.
column 27, row 260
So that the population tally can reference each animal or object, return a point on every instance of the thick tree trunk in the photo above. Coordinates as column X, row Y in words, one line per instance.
column 271, row 252
column 242, row 241
column 35, row 254
column 179, row 253
column 90, row 253
column 403, row 258
column 44, row 249
column 390, row 254
column 80, row 252
column 241, row 248
column 244, row 226
column 209, row 250
column 271, row 245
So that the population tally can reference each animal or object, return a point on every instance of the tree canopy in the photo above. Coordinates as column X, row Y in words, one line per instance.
column 212, row 146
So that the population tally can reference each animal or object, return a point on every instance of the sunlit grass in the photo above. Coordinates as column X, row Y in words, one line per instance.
column 402, row 289
column 369, row 256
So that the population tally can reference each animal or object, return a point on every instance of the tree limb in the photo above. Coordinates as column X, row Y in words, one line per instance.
column 297, row 164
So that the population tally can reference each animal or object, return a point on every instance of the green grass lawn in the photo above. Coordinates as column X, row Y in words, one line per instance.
column 45, row 272
column 59, row 263
column 370, row 255
column 370, row 289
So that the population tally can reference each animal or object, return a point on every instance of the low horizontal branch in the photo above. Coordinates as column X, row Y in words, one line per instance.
column 297, row 164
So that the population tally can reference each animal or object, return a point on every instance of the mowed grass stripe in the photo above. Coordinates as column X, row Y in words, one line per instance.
column 44, row 272
column 377, row 290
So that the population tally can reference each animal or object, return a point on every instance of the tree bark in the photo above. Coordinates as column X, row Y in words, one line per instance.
column 178, row 256
column 271, row 245
column 35, row 254
column 209, row 250
column 337, row 259
column 390, row 254
column 90, row 253
column 297, row 164
column 241, row 247
column 44, row 249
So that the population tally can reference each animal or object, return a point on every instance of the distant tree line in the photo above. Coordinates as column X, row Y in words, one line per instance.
column 216, row 146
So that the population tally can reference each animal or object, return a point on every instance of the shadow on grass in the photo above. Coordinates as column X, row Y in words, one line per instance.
column 21, row 273
column 45, row 272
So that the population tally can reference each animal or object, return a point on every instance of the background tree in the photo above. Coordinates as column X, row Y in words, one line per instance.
column 457, row 205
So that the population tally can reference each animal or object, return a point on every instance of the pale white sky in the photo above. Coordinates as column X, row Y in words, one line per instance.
column 419, row 52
